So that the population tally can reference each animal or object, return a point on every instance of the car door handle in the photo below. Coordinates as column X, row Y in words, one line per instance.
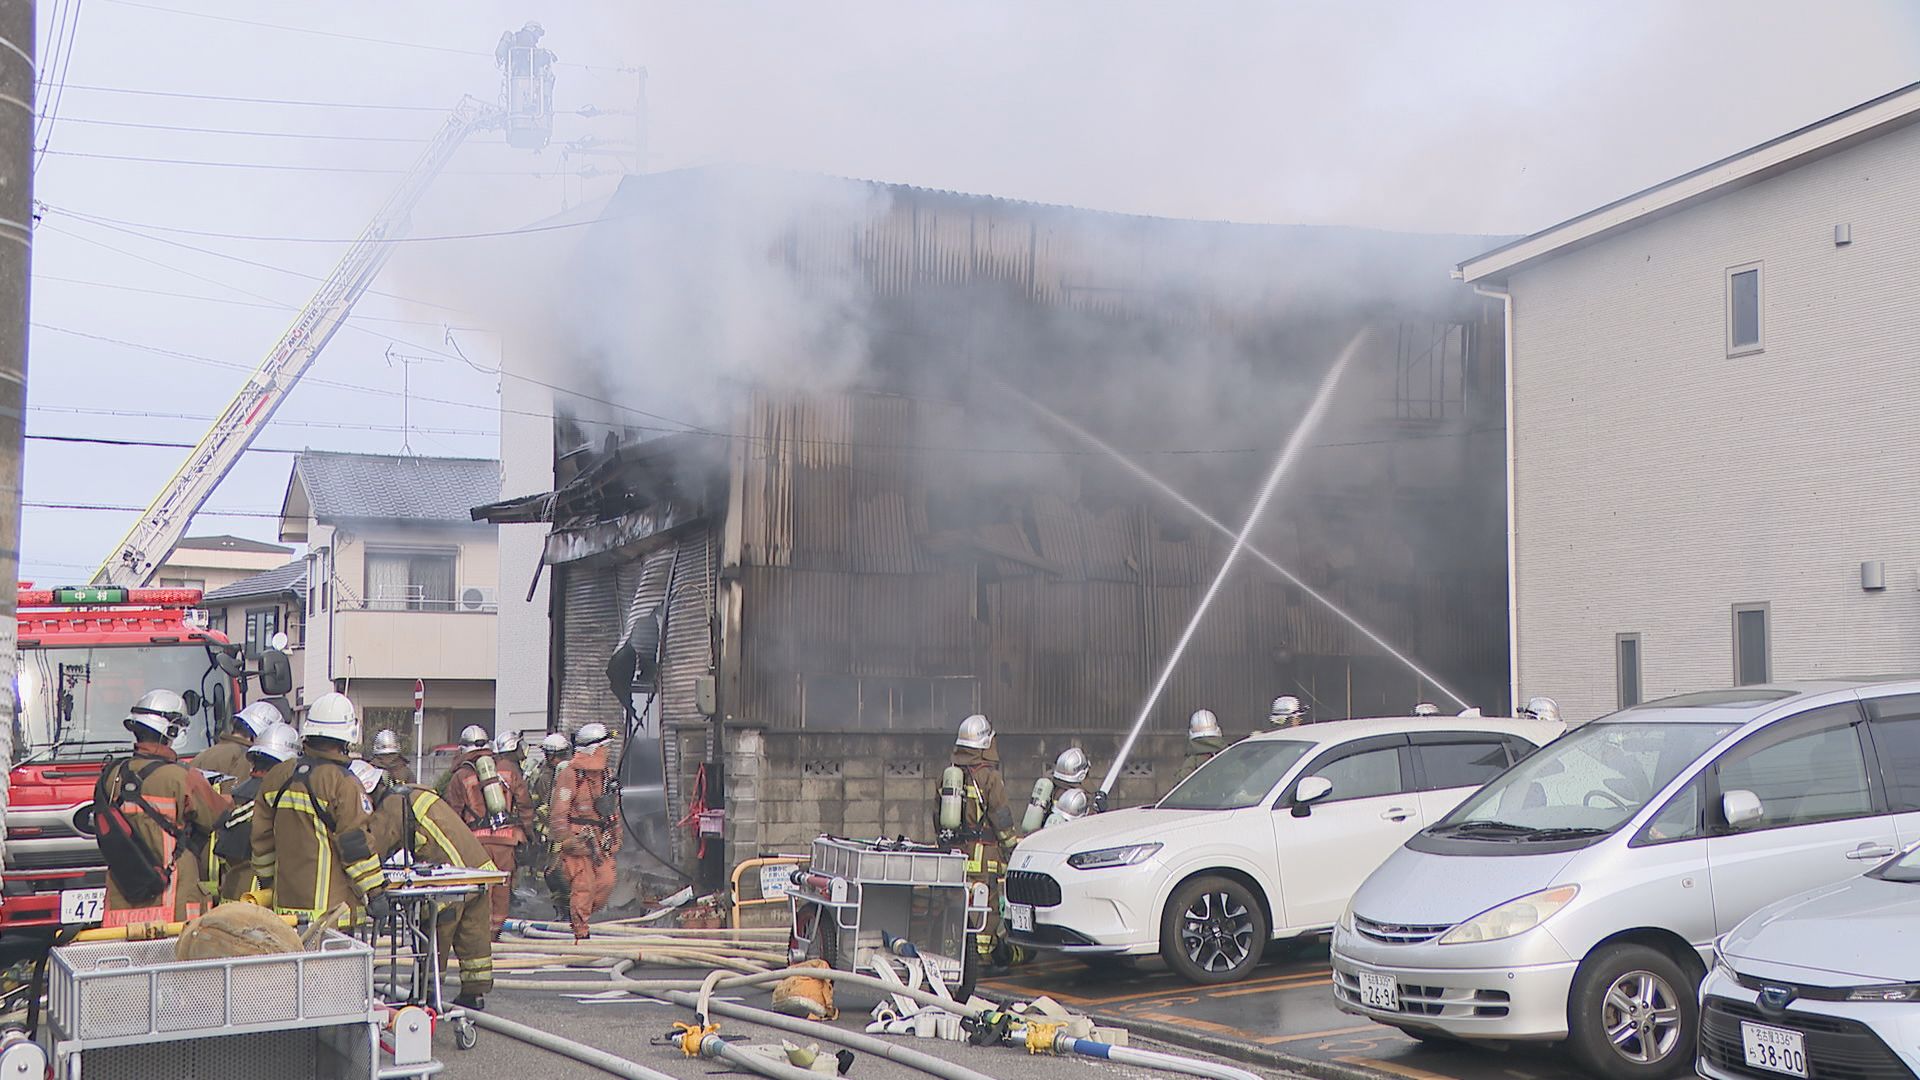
column 1401, row 813
column 1873, row 851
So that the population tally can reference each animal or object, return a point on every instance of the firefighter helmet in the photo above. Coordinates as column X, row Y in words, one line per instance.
column 386, row 741
column 1071, row 766
column 1286, row 710
column 279, row 742
column 1426, row 708
column 976, row 733
column 368, row 774
column 1203, row 725
column 257, row 718
column 590, row 736
column 1072, row 804
column 1541, row 708
column 162, row 712
column 474, row 737
column 555, row 743
column 332, row 716
column 507, row 743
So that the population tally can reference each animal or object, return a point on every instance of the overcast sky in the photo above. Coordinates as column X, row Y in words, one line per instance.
column 1478, row 117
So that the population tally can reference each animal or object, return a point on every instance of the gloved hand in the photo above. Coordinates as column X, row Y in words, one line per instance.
column 1099, row 800
column 946, row 837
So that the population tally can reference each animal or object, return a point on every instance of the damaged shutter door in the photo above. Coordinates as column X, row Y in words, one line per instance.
column 591, row 626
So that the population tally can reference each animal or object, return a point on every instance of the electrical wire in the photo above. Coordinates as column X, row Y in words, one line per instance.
column 271, row 167
column 101, row 440
column 39, row 279
column 336, row 425
column 112, row 508
column 526, row 230
column 308, row 103
column 324, row 136
column 56, row 77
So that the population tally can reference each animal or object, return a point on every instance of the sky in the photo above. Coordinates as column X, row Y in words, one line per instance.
column 1485, row 117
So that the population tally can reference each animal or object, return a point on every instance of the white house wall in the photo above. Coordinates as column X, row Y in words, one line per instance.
column 1659, row 482
column 526, row 456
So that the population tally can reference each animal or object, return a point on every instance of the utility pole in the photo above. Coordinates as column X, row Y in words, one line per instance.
column 17, row 78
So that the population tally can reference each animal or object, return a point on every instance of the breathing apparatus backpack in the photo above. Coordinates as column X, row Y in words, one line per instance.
column 493, row 790
column 1038, row 804
column 952, row 786
column 136, row 868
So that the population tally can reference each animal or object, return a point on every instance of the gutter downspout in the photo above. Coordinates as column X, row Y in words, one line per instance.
column 1505, row 296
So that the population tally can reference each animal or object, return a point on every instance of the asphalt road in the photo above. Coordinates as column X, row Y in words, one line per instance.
column 1283, row 1015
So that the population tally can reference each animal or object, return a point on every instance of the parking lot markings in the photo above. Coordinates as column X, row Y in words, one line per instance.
column 1275, row 1040
column 1393, row 1067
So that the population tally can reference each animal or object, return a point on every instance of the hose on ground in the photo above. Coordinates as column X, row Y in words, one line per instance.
column 715, row 1048
column 852, row 1040
column 1152, row 1059
column 559, row 1044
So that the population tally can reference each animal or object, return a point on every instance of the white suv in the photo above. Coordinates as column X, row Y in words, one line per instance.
column 1268, row 840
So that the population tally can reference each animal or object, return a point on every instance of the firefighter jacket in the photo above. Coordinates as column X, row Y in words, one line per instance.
column 398, row 768
column 228, row 757
column 467, row 795
column 422, row 822
column 1199, row 752
column 233, row 842
column 984, row 813
column 586, row 806
column 192, row 809
column 310, row 839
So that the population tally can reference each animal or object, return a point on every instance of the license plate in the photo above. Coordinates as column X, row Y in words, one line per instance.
column 1379, row 991
column 82, row 905
column 1021, row 916
column 1775, row 1049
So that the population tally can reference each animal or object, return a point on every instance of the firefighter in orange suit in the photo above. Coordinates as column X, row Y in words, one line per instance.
column 172, row 809
column 586, row 824
column 490, row 794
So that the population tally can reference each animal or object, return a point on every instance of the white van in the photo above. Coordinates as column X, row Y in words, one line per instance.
column 1577, row 896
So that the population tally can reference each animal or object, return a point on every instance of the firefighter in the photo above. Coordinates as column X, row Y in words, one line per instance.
column 1540, row 708
column 488, row 792
column 586, row 825
column 232, row 864
column 310, row 843
column 974, row 818
column 387, row 755
column 172, row 810
column 228, row 757
column 1069, row 774
column 420, row 823
column 1287, row 712
column 1071, row 806
column 546, row 864
column 1204, row 740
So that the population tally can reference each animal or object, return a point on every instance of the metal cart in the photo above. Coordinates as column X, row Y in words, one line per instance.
column 856, row 893
column 115, row 1008
column 412, row 939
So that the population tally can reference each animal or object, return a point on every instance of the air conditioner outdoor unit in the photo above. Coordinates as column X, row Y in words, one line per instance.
column 477, row 599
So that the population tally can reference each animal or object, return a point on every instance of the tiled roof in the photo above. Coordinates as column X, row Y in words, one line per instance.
column 231, row 543
column 374, row 486
column 291, row 578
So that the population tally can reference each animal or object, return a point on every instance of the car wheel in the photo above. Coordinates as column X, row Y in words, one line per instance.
column 1634, row 1014
column 1212, row 930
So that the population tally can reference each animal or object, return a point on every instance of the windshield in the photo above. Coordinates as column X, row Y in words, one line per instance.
column 72, row 700
column 1589, row 782
column 1239, row 776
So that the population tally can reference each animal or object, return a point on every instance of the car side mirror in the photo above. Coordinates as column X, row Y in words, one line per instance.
column 222, row 706
column 227, row 658
column 276, row 674
column 1741, row 808
column 192, row 702
column 1311, row 790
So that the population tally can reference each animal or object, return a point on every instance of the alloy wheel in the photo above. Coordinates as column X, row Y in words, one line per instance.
column 1641, row 1016
column 1216, row 932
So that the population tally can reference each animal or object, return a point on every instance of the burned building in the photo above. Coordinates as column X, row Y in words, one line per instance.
column 930, row 503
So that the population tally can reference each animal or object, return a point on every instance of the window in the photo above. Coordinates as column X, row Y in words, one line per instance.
column 1811, row 775
column 1459, row 764
column 1680, row 819
column 296, row 625
column 217, row 620
column 1896, row 741
column 262, row 624
column 410, row 580
column 1239, row 776
column 1363, row 775
column 1743, row 310
column 881, row 703
column 1750, row 653
column 1626, row 669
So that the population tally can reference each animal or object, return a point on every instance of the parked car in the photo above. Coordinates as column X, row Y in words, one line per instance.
column 1577, row 897
column 1267, row 840
column 1826, row 983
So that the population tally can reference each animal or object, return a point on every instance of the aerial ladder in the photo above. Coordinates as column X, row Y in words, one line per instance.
column 527, row 119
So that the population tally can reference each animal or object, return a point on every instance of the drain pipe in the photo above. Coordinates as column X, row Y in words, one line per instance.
column 578, row 1051
column 1127, row 1055
column 1505, row 296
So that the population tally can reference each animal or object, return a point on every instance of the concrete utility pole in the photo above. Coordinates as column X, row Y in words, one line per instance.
column 17, row 78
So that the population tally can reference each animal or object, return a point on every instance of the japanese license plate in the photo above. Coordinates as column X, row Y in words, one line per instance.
column 82, row 905
column 1775, row 1049
column 1379, row 991
column 1021, row 916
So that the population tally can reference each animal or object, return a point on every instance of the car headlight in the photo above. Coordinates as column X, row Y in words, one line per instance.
column 1889, row 992
column 1513, row 917
column 1130, row 855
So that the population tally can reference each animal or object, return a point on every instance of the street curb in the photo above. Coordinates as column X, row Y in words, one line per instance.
column 1234, row 1050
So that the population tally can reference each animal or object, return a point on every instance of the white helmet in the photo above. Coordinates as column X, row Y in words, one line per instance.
column 590, row 736
column 1203, row 725
column 1426, row 708
column 1072, row 804
column 1072, row 765
column 555, row 743
column 473, row 737
column 332, row 716
column 1541, row 708
column 507, row 743
column 976, row 733
column 1286, row 707
column 162, row 712
column 368, row 774
column 278, row 742
column 386, row 741
column 257, row 718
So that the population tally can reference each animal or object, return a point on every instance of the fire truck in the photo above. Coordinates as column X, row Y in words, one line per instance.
column 86, row 654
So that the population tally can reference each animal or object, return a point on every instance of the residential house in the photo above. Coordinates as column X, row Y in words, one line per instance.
column 252, row 610
column 1712, row 422
column 214, row 562
column 399, row 586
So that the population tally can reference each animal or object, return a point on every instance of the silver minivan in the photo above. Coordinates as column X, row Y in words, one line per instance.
column 1576, row 897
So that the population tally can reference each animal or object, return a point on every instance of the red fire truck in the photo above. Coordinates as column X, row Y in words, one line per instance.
column 86, row 654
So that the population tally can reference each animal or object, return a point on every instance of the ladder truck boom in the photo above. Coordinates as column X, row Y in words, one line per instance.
column 134, row 560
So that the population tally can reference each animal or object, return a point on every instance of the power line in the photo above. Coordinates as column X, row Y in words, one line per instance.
column 142, row 92
column 273, row 167
column 56, row 75
column 117, row 509
column 97, row 440
column 264, row 134
column 335, row 425
column 527, row 230
column 258, row 305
